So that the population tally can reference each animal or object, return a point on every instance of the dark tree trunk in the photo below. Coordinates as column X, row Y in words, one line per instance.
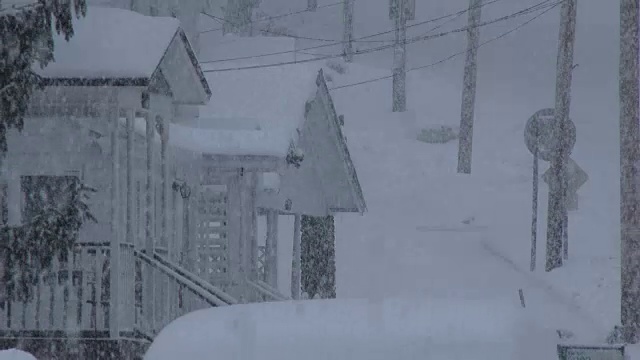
column 318, row 257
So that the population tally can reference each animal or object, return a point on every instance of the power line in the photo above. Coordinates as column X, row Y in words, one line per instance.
column 279, row 16
column 455, row 15
column 453, row 55
column 528, row 10
column 360, row 39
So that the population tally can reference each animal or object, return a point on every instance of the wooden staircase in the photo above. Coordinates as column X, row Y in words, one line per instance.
column 69, row 317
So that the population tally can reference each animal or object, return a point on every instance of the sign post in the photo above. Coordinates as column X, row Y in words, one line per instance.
column 543, row 141
column 576, row 178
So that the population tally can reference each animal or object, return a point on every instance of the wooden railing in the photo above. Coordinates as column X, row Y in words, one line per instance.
column 262, row 258
column 71, row 296
column 265, row 292
column 193, row 293
column 74, row 296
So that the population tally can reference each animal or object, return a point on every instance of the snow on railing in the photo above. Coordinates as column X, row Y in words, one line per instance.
column 266, row 291
column 228, row 300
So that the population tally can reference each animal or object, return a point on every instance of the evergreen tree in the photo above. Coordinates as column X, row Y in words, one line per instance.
column 55, row 210
column 26, row 38
column 318, row 257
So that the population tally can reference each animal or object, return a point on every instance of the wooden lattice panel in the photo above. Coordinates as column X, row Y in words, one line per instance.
column 212, row 262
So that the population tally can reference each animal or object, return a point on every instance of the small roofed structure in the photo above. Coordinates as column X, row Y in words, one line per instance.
column 121, row 284
column 273, row 135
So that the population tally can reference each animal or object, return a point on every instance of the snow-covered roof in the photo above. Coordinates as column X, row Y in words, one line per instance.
column 228, row 141
column 253, row 112
column 112, row 43
column 434, row 328
column 120, row 47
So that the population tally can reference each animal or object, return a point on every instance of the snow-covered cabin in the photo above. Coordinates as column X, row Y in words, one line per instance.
column 272, row 139
column 120, row 285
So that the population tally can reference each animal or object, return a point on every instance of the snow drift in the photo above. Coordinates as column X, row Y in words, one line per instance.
column 435, row 328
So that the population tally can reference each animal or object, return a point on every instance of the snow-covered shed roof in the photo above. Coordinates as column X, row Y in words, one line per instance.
column 264, row 112
column 253, row 112
column 122, row 48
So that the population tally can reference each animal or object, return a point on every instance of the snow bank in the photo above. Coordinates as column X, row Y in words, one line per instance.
column 15, row 354
column 111, row 43
column 352, row 329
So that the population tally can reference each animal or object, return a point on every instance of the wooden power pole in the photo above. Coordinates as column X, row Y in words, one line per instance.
column 557, row 209
column 400, row 58
column 465, row 143
column 348, row 30
column 629, row 216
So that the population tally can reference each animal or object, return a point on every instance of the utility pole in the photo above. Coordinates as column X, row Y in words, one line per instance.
column 557, row 208
column 465, row 143
column 348, row 30
column 237, row 16
column 400, row 58
column 629, row 216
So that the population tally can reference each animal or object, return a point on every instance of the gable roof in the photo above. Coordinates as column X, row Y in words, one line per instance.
column 119, row 48
column 355, row 187
column 254, row 112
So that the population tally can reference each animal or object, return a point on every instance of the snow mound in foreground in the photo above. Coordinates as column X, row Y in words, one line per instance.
column 356, row 329
column 15, row 354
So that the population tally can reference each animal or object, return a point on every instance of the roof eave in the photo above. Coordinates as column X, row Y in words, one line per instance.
column 356, row 189
column 103, row 81
column 194, row 62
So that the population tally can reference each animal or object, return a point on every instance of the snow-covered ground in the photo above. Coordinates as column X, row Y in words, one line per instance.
column 415, row 238
column 14, row 354
column 430, row 230
column 487, row 327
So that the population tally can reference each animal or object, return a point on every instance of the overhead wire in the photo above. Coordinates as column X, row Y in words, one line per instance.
column 455, row 15
column 281, row 15
column 525, row 11
column 453, row 55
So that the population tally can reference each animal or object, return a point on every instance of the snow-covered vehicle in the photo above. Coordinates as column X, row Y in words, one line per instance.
column 442, row 329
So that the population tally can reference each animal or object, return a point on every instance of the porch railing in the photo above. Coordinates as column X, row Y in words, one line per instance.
column 192, row 294
column 265, row 292
column 74, row 296
column 71, row 296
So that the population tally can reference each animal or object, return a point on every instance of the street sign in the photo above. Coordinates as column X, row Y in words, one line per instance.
column 540, row 132
column 578, row 352
column 409, row 7
column 577, row 178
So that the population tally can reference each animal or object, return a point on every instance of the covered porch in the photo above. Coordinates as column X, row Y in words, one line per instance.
column 104, row 119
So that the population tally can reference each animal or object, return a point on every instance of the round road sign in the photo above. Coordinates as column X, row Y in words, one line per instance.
column 540, row 133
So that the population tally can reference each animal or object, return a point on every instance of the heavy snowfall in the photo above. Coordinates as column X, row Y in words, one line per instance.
column 319, row 179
